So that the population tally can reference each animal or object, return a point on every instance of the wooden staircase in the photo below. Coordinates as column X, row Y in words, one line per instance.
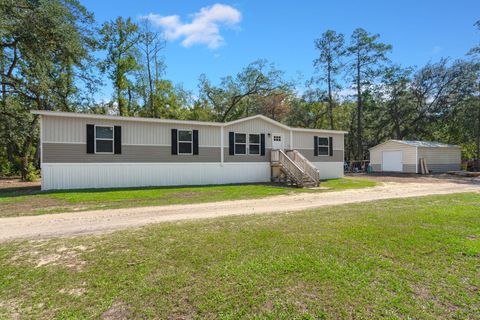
column 295, row 168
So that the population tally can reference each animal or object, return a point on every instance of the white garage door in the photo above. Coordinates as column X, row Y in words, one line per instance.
column 392, row 161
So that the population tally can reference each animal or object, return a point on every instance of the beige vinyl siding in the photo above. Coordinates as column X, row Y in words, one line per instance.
column 247, row 157
column 440, row 155
column 409, row 154
column 76, row 153
column 64, row 140
column 304, row 140
column 258, row 126
column 310, row 155
column 73, row 130
column 441, row 159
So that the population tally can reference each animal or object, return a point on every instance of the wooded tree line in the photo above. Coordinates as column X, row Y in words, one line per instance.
column 54, row 56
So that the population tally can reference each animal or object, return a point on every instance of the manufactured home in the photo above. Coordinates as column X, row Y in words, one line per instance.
column 404, row 156
column 81, row 150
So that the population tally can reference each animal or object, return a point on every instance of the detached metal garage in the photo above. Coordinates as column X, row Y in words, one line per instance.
column 404, row 156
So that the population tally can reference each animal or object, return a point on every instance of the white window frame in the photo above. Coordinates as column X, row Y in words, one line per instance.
column 259, row 144
column 178, row 142
column 235, row 143
column 105, row 139
column 323, row 146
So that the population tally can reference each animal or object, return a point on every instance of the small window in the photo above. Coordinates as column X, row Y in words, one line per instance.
column 277, row 138
column 240, row 143
column 253, row 144
column 185, row 142
column 103, row 139
column 323, row 146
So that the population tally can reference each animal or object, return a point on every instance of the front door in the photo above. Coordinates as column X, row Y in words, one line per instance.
column 277, row 141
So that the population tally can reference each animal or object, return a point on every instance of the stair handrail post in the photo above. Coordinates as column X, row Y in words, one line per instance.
column 308, row 167
column 295, row 171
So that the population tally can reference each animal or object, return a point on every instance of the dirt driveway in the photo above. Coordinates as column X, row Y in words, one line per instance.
column 92, row 222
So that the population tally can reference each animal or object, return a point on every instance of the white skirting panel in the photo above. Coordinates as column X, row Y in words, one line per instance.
column 117, row 175
column 330, row 170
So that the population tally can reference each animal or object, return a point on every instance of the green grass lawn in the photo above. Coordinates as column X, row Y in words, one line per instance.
column 32, row 202
column 412, row 258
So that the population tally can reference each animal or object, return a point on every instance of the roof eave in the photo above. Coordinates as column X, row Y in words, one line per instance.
column 117, row 118
column 173, row 121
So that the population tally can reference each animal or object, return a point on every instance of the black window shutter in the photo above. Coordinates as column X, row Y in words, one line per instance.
column 262, row 144
column 90, row 138
column 174, row 141
column 117, row 137
column 315, row 146
column 330, row 143
column 195, row 141
column 231, row 143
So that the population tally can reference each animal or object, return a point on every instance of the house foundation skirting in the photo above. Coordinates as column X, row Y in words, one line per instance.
column 123, row 175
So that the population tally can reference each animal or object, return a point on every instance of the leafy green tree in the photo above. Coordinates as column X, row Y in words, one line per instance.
column 170, row 101
column 276, row 105
column 437, row 89
column 45, row 57
column 150, row 45
column 119, row 38
column 475, row 103
column 331, row 47
column 308, row 110
column 367, row 55
column 258, row 79
column 394, row 109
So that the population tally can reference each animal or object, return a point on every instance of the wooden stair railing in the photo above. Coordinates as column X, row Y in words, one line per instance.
column 305, row 165
column 292, row 169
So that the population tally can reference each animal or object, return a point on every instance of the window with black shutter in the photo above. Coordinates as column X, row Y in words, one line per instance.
column 174, row 142
column 195, row 142
column 104, row 139
column 185, row 142
column 117, row 134
column 231, row 143
column 262, row 144
column 90, row 138
column 323, row 146
column 240, row 143
column 254, row 144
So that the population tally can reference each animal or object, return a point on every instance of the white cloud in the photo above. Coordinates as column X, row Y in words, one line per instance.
column 204, row 27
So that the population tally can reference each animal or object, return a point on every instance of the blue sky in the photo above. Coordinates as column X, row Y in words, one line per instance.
column 283, row 31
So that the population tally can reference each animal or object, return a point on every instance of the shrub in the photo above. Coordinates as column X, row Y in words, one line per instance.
column 33, row 173
column 6, row 169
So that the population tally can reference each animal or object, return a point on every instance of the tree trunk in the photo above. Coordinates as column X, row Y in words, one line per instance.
column 130, row 98
column 330, row 98
column 26, row 149
column 150, row 81
column 38, row 154
column 396, row 120
column 121, row 104
column 359, row 113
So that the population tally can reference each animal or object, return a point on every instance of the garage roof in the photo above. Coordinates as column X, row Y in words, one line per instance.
column 426, row 144
column 417, row 143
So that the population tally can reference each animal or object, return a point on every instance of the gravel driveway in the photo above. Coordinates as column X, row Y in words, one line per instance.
column 93, row 222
